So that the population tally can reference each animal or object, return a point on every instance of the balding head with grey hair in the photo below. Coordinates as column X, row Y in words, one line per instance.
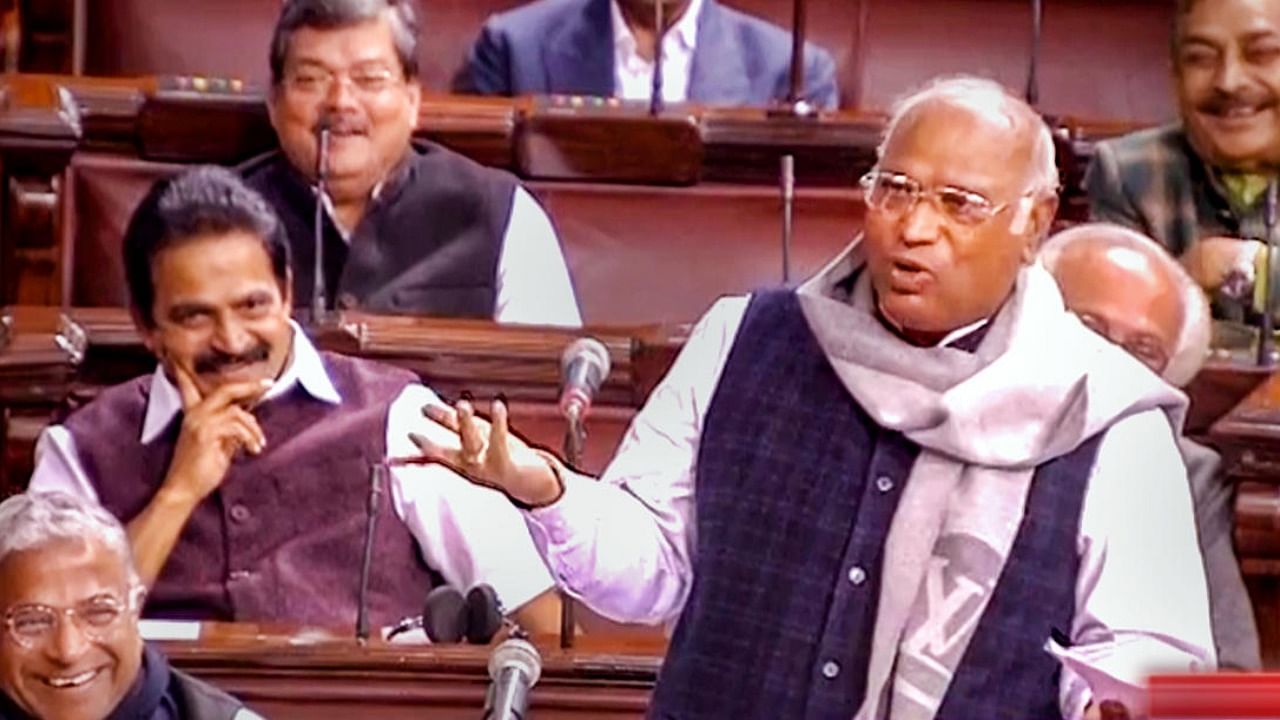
column 1129, row 289
column 34, row 520
column 993, row 101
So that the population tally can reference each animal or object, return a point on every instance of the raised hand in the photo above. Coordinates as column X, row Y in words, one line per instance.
column 488, row 453
column 1211, row 260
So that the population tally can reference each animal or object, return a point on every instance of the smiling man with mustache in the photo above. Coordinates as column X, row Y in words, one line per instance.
column 1198, row 186
column 409, row 227
column 242, row 464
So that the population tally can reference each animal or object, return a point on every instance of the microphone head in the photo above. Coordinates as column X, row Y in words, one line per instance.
column 445, row 616
column 518, row 654
column 484, row 614
column 588, row 351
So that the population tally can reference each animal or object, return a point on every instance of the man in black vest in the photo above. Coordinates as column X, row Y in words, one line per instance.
column 70, row 648
column 913, row 488
column 406, row 229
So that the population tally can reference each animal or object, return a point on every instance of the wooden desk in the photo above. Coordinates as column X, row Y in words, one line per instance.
column 51, row 356
column 1249, row 438
column 318, row 676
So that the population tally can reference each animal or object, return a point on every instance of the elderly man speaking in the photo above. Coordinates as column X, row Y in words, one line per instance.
column 913, row 488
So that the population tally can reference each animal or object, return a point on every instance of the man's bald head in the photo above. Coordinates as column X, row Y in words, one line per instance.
column 993, row 104
column 1126, row 287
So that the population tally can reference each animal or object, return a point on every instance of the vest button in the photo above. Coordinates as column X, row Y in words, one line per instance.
column 884, row 483
column 857, row 575
column 347, row 301
column 240, row 513
column 830, row 669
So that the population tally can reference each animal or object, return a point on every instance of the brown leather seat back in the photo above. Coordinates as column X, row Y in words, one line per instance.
column 1104, row 59
column 636, row 254
column 102, row 193
column 648, row 254
column 231, row 38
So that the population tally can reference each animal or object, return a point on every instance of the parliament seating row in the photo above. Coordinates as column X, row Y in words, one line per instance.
column 658, row 216
column 1099, row 58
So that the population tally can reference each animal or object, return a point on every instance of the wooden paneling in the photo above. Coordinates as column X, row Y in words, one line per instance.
column 78, row 153
column 316, row 675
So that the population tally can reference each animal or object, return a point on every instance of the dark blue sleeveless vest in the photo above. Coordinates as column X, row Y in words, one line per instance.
column 796, row 489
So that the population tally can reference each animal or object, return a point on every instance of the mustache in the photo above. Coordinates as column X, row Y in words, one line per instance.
column 341, row 124
column 215, row 360
column 1221, row 102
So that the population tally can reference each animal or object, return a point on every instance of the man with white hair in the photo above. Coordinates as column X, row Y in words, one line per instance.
column 1127, row 288
column 908, row 489
column 69, row 647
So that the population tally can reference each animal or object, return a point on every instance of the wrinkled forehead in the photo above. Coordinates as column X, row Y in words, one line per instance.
column 61, row 572
column 972, row 143
column 361, row 41
column 1133, row 286
column 1224, row 20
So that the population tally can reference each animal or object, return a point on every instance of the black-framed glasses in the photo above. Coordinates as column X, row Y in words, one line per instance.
column 897, row 193
column 32, row 624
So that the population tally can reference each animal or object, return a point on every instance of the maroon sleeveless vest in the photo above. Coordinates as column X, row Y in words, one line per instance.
column 281, row 539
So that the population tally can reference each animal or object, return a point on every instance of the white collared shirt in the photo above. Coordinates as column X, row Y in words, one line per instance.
column 624, row 544
column 633, row 75
column 467, row 533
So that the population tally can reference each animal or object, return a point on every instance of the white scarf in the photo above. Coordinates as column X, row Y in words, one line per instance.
column 1038, row 386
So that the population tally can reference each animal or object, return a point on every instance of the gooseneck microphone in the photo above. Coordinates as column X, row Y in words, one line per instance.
column 659, row 32
column 1266, row 332
column 319, row 303
column 584, row 364
column 514, row 668
column 377, row 479
column 1033, row 60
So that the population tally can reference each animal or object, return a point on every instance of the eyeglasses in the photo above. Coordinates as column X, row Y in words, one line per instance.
column 897, row 194
column 316, row 81
column 33, row 624
column 1145, row 348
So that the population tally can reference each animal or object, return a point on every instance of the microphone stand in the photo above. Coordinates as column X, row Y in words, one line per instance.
column 377, row 480
column 319, row 303
column 659, row 32
column 1266, row 333
column 1033, row 62
column 575, row 437
column 788, row 212
column 793, row 108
